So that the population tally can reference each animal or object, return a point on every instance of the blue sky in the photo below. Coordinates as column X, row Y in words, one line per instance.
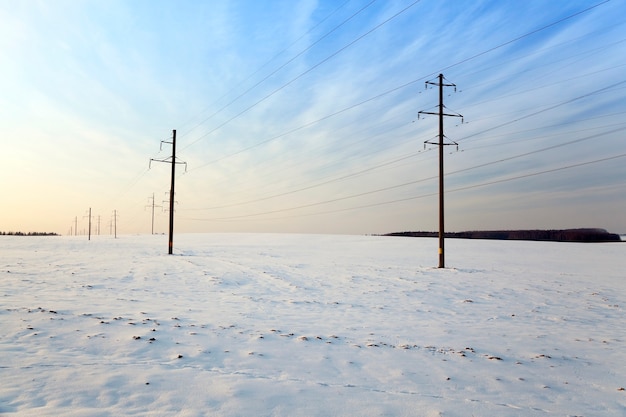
column 301, row 116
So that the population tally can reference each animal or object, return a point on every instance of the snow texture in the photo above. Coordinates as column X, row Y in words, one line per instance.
column 310, row 325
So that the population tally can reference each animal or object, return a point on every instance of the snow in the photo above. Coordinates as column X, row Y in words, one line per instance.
column 310, row 325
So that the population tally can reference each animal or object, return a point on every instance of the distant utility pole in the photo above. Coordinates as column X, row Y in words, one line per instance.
column 440, row 82
column 114, row 222
column 153, row 206
column 173, row 162
column 89, row 236
column 75, row 225
column 98, row 225
column 168, row 202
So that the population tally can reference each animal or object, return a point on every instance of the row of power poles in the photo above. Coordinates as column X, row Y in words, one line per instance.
column 112, row 225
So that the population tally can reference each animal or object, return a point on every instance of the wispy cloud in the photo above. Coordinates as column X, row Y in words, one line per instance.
column 303, row 117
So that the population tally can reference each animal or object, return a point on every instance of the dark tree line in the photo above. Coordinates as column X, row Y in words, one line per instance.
column 567, row 235
column 27, row 234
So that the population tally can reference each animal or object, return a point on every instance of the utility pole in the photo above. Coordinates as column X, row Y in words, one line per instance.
column 168, row 203
column 98, row 225
column 173, row 162
column 153, row 206
column 89, row 236
column 440, row 83
column 115, row 223
column 75, row 225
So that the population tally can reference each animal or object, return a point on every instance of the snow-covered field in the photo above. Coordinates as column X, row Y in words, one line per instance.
column 310, row 325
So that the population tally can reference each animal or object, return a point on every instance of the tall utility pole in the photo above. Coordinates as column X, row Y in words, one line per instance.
column 153, row 206
column 440, row 82
column 173, row 162
column 75, row 225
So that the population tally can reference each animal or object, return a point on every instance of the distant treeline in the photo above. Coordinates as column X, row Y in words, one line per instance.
column 567, row 235
column 27, row 234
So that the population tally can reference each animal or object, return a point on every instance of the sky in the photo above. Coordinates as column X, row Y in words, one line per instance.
column 304, row 116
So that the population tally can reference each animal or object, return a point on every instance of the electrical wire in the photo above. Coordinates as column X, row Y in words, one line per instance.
column 484, row 184
column 519, row 38
column 378, row 96
column 434, row 177
column 467, row 137
column 396, row 160
column 551, row 107
column 279, row 68
column 329, row 57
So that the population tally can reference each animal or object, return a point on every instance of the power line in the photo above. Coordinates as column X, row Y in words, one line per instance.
column 405, row 157
column 330, row 181
column 509, row 142
column 523, row 36
column 378, row 96
column 387, row 163
column 449, row 191
column 304, row 73
column 431, row 178
column 413, row 182
column 276, row 70
column 133, row 184
column 550, row 84
column 533, row 174
column 535, row 52
column 552, row 107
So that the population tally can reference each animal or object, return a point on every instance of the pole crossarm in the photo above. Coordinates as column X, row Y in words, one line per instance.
column 449, row 143
column 165, row 209
column 443, row 114
column 440, row 83
column 167, row 160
